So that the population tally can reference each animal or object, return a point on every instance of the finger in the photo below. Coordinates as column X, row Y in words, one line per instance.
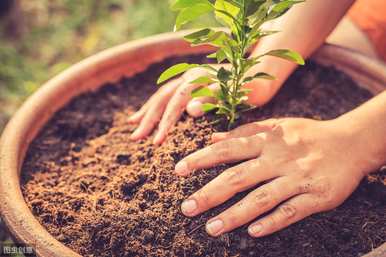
column 262, row 91
column 247, row 130
column 149, row 121
column 254, row 204
column 195, row 106
column 155, row 109
column 293, row 210
column 226, row 185
column 226, row 151
column 174, row 110
column 137, row 116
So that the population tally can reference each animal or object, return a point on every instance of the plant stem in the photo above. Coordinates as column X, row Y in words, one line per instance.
column 237, row 70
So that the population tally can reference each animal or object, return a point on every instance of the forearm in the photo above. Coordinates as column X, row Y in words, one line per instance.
column 367, row 125
column 303, row 29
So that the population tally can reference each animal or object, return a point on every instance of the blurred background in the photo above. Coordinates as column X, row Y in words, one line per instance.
column 39, row 39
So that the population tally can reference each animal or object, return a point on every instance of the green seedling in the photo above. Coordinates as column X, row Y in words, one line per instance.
column 243, row 20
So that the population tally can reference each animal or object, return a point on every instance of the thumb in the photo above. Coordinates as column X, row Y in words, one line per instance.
column 262, row 91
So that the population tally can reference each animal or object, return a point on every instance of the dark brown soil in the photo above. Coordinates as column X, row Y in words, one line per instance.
column 103, row 195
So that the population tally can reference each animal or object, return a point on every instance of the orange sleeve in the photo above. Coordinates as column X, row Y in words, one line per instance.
column 370, row 17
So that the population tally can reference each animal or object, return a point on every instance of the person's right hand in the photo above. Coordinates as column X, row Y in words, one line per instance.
column 172, row 99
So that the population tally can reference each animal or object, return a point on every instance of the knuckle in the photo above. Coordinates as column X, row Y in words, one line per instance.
column 235, row 177
column 287, row 211
column 224, row 153
column 262, row 198
column 184, row 91
column 329, row 199
column 270, row 222
column 231, row 219
column 321, row 186
column 322, row 189
column 224, row 149
column 202, row 199
column 274, row 190
column 304, row 187
column 249, row 143
column 227, row 143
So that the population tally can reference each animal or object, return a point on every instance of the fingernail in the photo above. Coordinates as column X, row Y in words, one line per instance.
column 215, row 227
column 255, row 229
column 182, row 168
column 189, row 207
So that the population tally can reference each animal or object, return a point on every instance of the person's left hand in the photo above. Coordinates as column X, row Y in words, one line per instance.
column 309, row 166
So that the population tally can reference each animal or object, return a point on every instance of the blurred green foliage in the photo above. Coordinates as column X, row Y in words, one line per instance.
column 59, row 33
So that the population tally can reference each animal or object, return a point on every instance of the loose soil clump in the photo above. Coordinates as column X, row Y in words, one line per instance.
column 103, row 195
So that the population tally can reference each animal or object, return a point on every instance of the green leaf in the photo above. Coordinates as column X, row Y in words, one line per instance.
column 203, row 80
column 207, row 107
column 219, row 55
column 182, row 4
column 253, row 6
column 287, row 55
column 220, row 95
column 198, row 34
column 245, row 91
column 265, row 33
column 224, row 75
column 246, row 107
column 281, row 8
column 219, row 39
column 208, row 36
column 175, row 70
column 259, row 16
column 259, row 75
column 238, row 3
column 226, row 13
column 250, row 62
column 191, row 13
column 222, row 109
column 212, row 56
column 202, row 91
column 213, row 38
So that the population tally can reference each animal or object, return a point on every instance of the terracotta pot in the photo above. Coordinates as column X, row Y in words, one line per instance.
column 109, row 66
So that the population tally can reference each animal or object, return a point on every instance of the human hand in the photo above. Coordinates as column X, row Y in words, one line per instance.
column 309, row 166
column 167, row 105
column 172, row 99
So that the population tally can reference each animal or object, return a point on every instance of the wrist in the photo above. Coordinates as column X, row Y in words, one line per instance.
column 368, row 146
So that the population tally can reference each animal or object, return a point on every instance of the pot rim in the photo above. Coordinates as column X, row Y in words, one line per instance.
column 109, row 66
